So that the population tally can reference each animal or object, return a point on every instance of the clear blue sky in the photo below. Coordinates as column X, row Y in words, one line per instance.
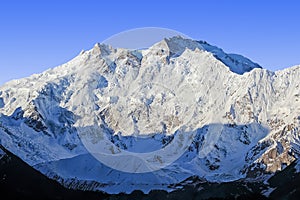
column 37, row 35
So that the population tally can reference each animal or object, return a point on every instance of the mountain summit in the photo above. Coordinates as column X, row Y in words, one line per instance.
column 236, row 63
column 119, row 120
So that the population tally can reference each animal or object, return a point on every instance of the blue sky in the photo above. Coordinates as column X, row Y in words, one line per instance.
column 37, row 35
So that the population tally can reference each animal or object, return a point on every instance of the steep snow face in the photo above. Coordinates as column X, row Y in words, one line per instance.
column 160, row 115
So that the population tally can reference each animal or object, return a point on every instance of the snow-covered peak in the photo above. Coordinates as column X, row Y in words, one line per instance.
column 177, row 86
column 176, row 45
column 102, row 49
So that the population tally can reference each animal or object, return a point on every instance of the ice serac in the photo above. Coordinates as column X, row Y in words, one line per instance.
column 245, row 120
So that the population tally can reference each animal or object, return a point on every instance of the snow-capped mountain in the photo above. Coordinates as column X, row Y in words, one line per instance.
column 179, row 109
